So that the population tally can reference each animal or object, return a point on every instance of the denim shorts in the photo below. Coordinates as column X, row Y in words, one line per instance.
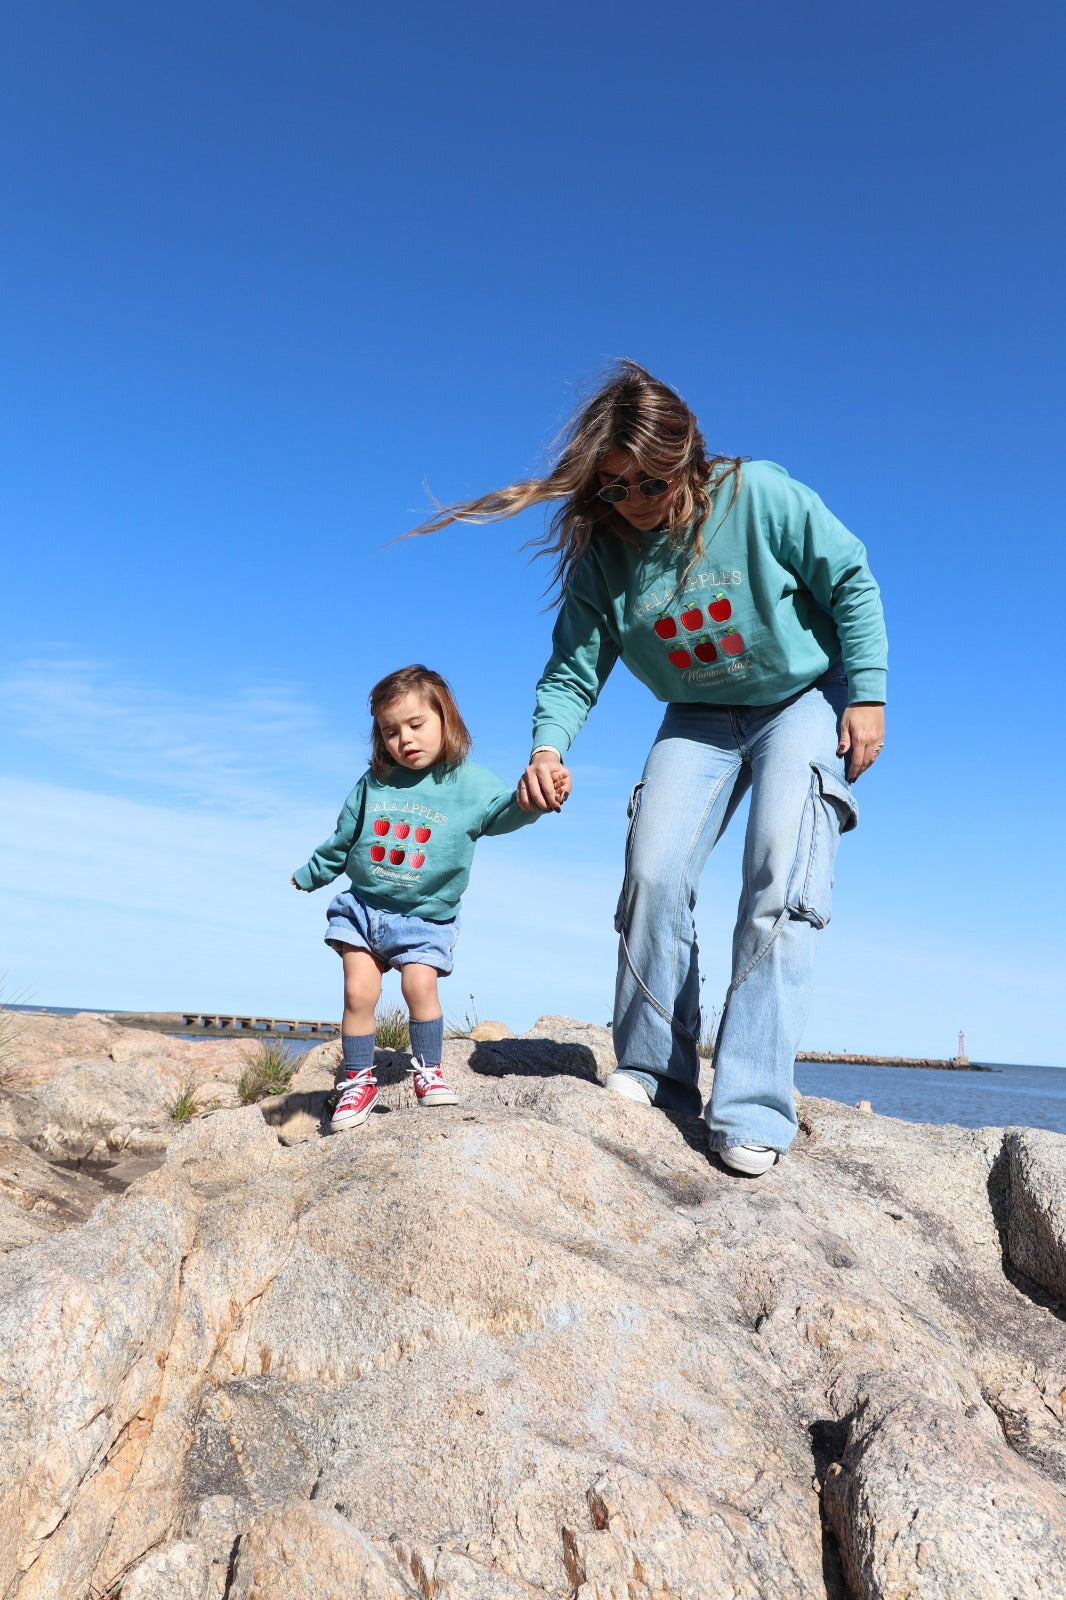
column 395, row 940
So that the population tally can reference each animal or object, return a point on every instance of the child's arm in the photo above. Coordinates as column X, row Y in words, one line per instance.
column 506, row 813
column 328, row 860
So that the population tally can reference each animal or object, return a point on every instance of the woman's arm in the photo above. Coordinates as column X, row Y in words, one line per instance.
column 584, row 650
column 832, row 564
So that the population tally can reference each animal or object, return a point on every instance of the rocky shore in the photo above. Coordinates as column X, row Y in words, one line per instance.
column 536, row 1344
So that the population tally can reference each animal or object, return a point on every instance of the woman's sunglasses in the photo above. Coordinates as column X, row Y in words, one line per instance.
column 651, row 489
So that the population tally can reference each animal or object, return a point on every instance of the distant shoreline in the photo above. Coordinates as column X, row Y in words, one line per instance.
column 173, row 1022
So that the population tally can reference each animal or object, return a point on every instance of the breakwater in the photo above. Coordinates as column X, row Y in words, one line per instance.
column 955, row 1064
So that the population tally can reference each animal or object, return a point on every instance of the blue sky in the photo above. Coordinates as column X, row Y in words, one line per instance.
column 272, row 274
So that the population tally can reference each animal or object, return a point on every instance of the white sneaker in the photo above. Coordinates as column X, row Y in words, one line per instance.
column 631, row 1088
column 751, row 1159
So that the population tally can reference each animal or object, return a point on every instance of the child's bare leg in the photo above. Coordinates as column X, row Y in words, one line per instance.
column 358, row 1086
column 418, row 984
column 362, row 991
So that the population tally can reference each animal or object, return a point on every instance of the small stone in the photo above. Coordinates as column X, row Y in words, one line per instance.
column 485, row 1032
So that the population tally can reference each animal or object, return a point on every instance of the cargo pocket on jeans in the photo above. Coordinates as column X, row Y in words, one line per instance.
column 623, row 898
column 828, row 811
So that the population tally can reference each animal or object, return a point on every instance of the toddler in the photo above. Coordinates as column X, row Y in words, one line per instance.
column 406, row 839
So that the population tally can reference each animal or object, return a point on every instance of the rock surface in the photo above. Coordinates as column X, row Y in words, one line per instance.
column 535, row 1344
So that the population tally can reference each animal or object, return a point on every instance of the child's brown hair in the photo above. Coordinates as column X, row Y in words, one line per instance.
column 419, row 680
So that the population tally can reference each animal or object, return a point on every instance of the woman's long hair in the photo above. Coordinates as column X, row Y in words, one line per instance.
column 634, row 412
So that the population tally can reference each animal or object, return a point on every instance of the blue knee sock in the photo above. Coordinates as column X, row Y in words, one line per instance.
column 427, row 1040
column 358, row 1052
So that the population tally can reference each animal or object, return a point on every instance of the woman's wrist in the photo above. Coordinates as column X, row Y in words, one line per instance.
column 545, row 750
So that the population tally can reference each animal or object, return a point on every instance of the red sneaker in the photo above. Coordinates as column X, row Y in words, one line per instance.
column 430, row 1087
column 358, row 1094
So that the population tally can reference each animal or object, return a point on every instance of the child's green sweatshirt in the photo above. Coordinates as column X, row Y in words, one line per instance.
column 407, row 844
column 782, row 593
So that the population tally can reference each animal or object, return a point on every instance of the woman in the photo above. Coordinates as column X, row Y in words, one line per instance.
column 732, row 593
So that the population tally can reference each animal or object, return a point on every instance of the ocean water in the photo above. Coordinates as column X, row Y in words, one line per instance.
column 1003, row 1096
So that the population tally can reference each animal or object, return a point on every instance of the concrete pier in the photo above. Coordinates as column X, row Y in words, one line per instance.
column 221, row 1024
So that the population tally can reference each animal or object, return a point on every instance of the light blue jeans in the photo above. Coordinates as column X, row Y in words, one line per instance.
column 703, row 762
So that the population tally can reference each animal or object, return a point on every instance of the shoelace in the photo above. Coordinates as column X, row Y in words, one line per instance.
column 357, row 1080
column 429, row 1077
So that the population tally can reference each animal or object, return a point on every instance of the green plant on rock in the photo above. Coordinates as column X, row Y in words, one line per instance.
column 462, row 1027
column 390, row 1029
column 709, row 1035
column 184, row 1105
column 9, row 1027
column 269, row 1070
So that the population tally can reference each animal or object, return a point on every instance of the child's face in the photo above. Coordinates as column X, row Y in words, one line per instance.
column 412, row 731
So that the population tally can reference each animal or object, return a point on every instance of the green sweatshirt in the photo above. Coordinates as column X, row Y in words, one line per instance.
column 407, row 844
column 782, row 593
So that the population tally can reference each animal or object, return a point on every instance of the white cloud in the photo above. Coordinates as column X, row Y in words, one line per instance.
column 241, row 751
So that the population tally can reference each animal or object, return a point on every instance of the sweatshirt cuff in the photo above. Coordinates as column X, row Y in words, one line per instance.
column 867, row 683
column 551, row 733
column 302, row 877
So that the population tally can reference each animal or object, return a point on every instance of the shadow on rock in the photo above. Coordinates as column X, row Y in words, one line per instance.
column 535, row 1058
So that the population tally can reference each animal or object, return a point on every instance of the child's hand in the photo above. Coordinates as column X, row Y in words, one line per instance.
column 561, row 783
column 294, row 883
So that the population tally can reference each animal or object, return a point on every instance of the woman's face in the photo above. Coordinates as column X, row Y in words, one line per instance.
column 619, row 467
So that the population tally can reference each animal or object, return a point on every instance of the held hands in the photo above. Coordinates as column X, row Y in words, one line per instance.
column 862, row 735
column 545, row 784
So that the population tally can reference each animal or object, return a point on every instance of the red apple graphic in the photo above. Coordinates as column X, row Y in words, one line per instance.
column 704, row 649
column 377, row 852
column 422, row 834
column 396, row 856
column 681, row 658
column 692, row 619
column 402, row 829
column 416, row 859
column 720, row 609
column 666, row 627
column 381, row 827
column 731, row 642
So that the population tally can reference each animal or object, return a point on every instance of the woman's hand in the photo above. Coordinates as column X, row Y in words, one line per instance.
column 545, row 783
column 862, row 736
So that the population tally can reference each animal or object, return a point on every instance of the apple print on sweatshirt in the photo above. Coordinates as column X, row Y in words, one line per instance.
column 731, row 643
column 680, row 658
column 692, row 619
column 704, row 649
column 719, row 609
column 666, row 627
column 407, row 841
